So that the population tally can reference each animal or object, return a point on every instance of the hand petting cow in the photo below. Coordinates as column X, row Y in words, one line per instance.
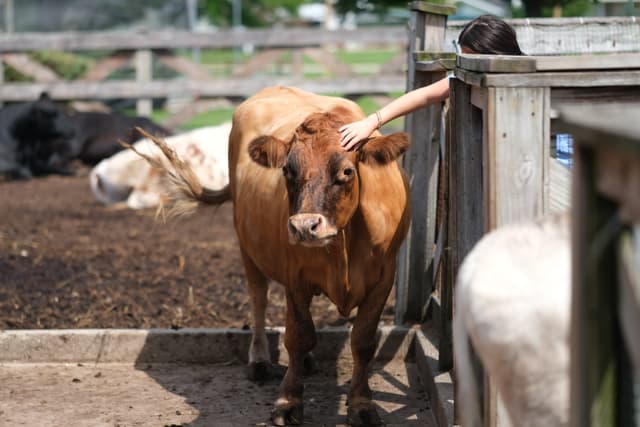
column 315, row 218
column 127, row 178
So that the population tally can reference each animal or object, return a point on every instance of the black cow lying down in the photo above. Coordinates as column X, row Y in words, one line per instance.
column 42, row 137
column 97, row 133
column 36, row 138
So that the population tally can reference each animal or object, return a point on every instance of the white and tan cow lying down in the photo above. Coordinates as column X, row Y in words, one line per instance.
column 127, row 178
column 513, row 298
column 316, row 219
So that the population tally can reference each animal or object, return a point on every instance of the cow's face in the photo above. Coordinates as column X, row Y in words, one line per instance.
column 322, row 179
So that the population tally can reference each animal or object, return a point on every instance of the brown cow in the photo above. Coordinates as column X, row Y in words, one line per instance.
column 316, row 219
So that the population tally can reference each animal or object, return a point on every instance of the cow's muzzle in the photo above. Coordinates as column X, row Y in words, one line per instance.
column 310, row 229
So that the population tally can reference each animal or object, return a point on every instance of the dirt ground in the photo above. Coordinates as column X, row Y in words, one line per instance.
column 67, row 261
column 117, row 395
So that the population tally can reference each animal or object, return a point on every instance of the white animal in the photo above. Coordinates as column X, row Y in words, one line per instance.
column 127, row 177
column 513, row 297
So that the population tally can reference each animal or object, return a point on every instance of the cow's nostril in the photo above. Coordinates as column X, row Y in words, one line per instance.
column 316, row 222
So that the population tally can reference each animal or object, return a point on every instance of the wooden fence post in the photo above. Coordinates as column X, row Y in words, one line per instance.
column 414, row 281
column 144, row 71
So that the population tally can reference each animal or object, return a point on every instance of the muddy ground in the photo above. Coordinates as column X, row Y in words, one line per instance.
column 67, row 261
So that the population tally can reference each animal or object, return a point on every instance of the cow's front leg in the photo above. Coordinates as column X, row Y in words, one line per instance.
column 259, row 368
column 361, row 410
column 299, row 339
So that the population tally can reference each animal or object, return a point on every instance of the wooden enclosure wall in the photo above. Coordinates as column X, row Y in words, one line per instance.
column 502, row 112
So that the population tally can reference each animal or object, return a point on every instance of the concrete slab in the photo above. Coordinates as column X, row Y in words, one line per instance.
column 143, row 390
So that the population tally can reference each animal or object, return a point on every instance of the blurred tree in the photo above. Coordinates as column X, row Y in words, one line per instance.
column 372, row 6
column 544, row 8
column 255, row 13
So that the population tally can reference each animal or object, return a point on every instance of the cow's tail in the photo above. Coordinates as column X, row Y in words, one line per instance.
column 184, row 190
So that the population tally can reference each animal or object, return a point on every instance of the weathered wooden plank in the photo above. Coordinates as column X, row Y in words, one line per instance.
column 587, row 62
column 183, row 65
column 414, row 281
column 605, row 94
column 194, row 108
column 466, row 201
column 105, row 67
column 496, row 63
column 112, row 89
column 257, row 62
column 564, row 79
column 30, row 67
column 530, row 64
column 593, row 124
column 263, row 38
column 144, row 71
column 558, row 36
column 520, row 135
column 434, row 61
column 426, row 7
column 470, row 77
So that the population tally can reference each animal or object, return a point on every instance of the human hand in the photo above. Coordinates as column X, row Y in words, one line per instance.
column 353, row 135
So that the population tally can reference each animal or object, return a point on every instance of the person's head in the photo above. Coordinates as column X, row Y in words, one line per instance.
column 487, row 34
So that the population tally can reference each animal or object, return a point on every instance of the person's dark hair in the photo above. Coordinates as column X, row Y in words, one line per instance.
column 488, row 34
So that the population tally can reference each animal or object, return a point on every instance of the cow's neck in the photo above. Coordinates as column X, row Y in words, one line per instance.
column 344, row 272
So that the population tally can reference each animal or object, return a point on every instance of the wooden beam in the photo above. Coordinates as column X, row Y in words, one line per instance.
column 183, row 65
column 112, row 89
column 30, row 67
column 258, row 62
column 496, row 63
column 144, row 74
column 102, row 69
column 221, row 39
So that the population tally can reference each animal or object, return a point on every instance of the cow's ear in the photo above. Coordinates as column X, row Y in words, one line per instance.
column 269, row 151
column 381, row 150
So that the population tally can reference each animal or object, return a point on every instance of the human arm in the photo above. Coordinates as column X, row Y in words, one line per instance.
column 354, row 134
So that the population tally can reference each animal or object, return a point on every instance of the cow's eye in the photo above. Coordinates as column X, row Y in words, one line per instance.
column 344, row 176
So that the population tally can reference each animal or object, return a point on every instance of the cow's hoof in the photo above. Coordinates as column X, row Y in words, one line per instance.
column 259, row 371
column 363, row 416
column 289, row 413
column 310, row 364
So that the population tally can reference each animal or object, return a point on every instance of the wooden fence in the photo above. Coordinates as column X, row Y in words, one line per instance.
column 464, row 180
column 140, row 48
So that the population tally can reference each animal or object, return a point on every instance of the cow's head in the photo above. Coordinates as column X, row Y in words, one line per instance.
column 322, row 179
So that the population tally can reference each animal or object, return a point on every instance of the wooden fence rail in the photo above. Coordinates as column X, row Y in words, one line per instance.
column 223, row 39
